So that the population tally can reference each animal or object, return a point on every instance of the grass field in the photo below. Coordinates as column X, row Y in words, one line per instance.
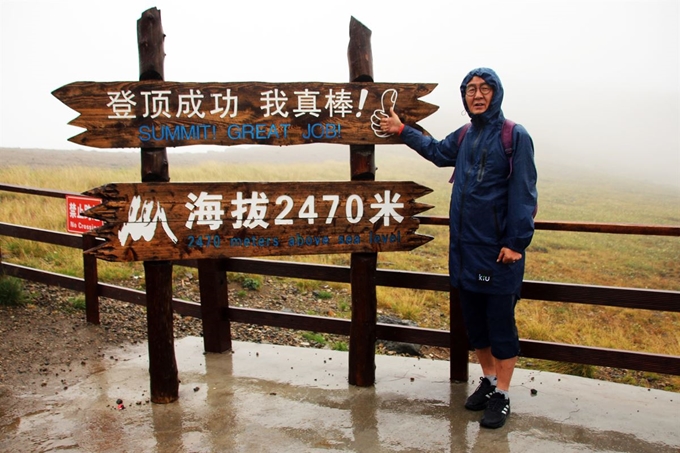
column 583, row 258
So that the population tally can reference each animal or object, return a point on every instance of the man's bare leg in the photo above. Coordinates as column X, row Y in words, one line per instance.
column 502, row 369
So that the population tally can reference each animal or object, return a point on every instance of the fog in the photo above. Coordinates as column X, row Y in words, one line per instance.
column 595, row 82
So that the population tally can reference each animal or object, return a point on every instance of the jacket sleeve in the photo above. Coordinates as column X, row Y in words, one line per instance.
column 441, row 153
column 522, row 193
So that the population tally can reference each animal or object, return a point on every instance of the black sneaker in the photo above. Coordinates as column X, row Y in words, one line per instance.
column 480, row 397
column 496, row 412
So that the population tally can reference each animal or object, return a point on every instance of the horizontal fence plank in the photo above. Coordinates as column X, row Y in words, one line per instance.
column 413, row 280
column 655, row 363
column 547, row 291
column 417, row 335
column 646, row 299
column 331, row 273
column 119, row 293
column 581, row 227
column 340, row 274
column 135, row 296
column 36, row 191
column 289, row 320
column 39, row 235
column 610, row 228
column 40, row 276
column 389, row 332
column 289, row 269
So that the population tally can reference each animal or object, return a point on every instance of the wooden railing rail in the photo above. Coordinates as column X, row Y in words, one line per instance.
column 644, row 299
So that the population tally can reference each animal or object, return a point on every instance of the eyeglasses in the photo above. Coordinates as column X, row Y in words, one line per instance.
column 471, row 90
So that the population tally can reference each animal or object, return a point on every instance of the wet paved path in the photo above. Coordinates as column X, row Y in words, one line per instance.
column 267, row 398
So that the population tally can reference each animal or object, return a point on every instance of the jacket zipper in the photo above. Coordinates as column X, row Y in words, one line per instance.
column 462, row 203
column 482, row 166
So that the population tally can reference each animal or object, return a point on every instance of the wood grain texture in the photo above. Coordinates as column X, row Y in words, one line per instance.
column 122, row 114
column 296, row 219
column 163, row 374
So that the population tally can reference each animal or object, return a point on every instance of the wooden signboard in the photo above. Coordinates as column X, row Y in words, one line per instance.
column 155, row 114
column 174, row 221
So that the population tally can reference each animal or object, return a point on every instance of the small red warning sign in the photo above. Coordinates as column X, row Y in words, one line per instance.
column 75, row 221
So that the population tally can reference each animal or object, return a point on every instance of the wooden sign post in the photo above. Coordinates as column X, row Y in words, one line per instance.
column 363, row 266
column 163, row 373
column 158, row 222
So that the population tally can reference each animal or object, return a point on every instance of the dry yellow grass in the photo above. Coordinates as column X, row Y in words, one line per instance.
column 583, row 258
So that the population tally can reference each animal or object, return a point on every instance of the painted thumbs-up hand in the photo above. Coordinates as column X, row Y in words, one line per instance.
column 386, row 112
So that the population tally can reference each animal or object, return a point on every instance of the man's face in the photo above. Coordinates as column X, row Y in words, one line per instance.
column 478, row 95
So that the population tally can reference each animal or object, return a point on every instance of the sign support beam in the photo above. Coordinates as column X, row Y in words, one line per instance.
column 363, row 266
column 158, row 274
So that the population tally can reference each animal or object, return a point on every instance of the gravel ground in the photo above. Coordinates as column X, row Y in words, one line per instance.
column 47, row 345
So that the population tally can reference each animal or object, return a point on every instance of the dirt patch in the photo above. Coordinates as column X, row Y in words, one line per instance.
column 48, row 346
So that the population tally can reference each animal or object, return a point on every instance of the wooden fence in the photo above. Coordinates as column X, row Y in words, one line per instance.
column 454, row 339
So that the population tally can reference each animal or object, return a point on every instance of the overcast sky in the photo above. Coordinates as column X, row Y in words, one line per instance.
column 595, row 82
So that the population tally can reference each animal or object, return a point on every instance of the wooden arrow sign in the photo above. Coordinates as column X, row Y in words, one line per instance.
column 155, row 114
column 174, row 221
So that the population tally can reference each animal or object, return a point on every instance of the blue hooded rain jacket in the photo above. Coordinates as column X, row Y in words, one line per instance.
column 489, row 210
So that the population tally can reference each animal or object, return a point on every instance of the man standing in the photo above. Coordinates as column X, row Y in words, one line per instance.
column 493, row 202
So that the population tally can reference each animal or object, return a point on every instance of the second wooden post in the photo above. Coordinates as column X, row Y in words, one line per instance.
column 363, row 265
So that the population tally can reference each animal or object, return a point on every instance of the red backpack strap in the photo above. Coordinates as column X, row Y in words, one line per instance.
column 463, row 131
column 506, row 140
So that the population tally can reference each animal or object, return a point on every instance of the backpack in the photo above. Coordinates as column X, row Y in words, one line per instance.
column 506, row 140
